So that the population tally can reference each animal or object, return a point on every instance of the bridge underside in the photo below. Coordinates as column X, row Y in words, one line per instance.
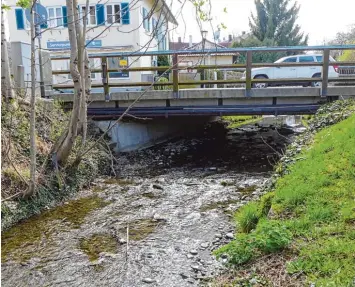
column 210, row 102
column 99, row 113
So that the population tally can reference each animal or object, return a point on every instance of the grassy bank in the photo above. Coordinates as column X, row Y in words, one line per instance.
column 307, row 224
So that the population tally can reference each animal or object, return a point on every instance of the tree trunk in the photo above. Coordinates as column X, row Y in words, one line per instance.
column 64, row 146
column 32, row 186
column 7, row 91
column 84, row 68
column 83, row 108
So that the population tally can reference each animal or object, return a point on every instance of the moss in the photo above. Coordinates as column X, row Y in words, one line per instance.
column 23, row 241
column 247, row 190
column 118, row 181
column 237, row 121
column 98, row 243
column 227, row 183
column 98, row 189
column 140, row 229
column 150, row 195
column 219, row 205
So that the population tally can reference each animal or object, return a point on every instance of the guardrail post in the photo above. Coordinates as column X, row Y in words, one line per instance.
column 105, row 78
column 175, row 76
column 325, row 72
column 248, row 73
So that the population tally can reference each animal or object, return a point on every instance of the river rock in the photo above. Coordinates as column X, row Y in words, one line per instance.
column 205, row 244
column 184, row 276
column 230, row 235
column 148, row 280
column 193, row 252
column 189, row 256
column 195, row 267
column 157, row 186
column 218, row 235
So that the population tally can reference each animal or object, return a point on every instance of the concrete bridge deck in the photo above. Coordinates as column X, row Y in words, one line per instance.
column 210, row 102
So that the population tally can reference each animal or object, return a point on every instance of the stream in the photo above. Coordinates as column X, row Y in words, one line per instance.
column 164, row 213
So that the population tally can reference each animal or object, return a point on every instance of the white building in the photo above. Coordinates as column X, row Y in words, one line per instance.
column 113, row 26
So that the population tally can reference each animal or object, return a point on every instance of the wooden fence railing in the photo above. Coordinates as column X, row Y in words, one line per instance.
column 248, row 66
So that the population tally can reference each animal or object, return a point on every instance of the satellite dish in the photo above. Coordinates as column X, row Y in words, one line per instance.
column 40, row 14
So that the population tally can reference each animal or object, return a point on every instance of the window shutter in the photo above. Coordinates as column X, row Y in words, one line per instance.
column 44, row 25
column 100, row 14
column 144, row 21
column 125, row 13
column 148, row 22
column 65, row 16
column 154, row 28
column 20, row 21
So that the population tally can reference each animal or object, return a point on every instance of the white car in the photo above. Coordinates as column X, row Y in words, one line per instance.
column 293, row 72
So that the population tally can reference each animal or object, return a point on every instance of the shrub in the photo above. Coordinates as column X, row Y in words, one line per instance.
column 247, row 217
column 162, row 80
column 272, row 236
column 239, row 251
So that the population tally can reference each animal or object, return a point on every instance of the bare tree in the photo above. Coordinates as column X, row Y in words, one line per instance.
column 32, row 186
column 64, row 146
column 7, row 91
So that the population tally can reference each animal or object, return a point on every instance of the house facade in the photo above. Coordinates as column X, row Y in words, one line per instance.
column 112, row 26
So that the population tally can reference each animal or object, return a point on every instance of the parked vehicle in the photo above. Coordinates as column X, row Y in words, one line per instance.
column 293, row 72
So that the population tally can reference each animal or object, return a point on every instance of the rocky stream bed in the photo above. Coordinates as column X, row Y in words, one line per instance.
column 157, row 222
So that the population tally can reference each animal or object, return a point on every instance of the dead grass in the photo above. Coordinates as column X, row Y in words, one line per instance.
column 266, row 271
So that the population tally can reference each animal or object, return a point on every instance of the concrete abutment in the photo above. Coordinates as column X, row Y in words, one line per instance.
column 133, row 135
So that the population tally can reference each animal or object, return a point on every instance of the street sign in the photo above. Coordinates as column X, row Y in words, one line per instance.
column 66, row 44
column 40, row 14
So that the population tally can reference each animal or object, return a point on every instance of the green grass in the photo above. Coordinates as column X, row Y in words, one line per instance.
column 313, row 208
column 248, row 216
column 237, row 121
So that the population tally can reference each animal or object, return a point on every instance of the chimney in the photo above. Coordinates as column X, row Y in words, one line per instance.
column 190, row 41
column 230, row 38
column 179, row 40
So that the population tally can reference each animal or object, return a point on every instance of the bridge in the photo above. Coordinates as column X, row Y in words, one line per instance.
column 156, row 110
column 173, row 100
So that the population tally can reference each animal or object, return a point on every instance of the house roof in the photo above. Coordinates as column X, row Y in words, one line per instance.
column 207, row 45
column 179, row 45
column 195, row 46
column 170, row 15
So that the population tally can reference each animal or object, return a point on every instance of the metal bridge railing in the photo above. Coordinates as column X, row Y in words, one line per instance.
column 248, row 81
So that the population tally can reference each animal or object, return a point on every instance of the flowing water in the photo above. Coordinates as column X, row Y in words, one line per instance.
column 165, row 212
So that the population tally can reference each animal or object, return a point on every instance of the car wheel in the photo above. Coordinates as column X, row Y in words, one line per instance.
column 260, row 85
column 316, row 84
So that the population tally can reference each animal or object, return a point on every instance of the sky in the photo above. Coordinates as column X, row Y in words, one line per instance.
column 321, row 19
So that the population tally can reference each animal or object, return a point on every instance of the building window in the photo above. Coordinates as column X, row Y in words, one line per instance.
column 113, row 14
column 95, row 63
column 118, row 63
column 146, row 20
column 55, row 17
column 91, row 17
